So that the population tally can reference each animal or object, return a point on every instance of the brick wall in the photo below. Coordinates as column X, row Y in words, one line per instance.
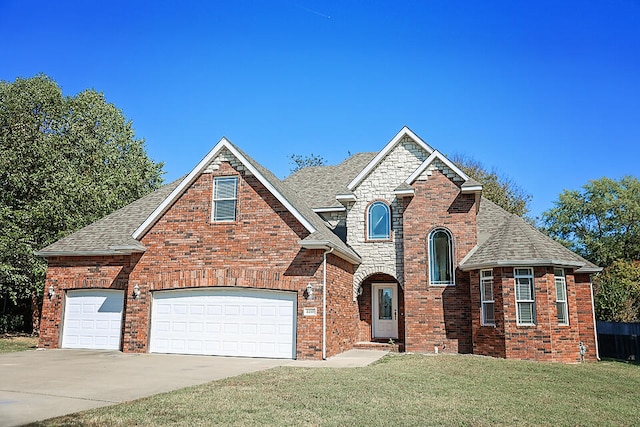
column 342, row 310
column 488, row 340
column 65, row 273
column 186, row 249
column 584, row 314
column 437, row 315
column 260, row 249
column 547, row 340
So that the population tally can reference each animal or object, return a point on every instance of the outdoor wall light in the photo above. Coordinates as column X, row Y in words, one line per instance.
column 308, row 293
column 52, row 292
column 136, row 292
column 360, row 290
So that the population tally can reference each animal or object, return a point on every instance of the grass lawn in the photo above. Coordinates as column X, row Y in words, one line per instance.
column 10, row 343
column 398, row 390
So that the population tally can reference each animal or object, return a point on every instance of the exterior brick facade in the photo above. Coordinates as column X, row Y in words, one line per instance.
column 437, row 316
column 264, row 248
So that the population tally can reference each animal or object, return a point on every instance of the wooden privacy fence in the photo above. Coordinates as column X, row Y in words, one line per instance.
column 619, row 340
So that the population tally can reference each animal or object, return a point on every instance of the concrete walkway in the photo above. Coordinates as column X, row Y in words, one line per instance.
column 40, row 384
column 348, row 359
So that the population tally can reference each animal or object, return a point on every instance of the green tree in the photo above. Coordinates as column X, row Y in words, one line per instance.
column 617, row 292
column 300, row 162
column 601, row 222
column 501, row 190
column 64, row 163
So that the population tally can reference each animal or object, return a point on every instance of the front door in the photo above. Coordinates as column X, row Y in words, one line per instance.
column 385, row 310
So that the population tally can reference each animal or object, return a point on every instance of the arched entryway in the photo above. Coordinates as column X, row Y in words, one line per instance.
column 381, row 311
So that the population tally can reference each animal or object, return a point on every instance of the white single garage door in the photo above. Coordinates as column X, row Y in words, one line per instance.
column 93, row 319
column 224, row 322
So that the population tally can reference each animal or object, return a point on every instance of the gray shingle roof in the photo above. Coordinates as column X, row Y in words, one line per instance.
column 503, row 238
column 507, row 239
column 112, row 234
column 319, row 185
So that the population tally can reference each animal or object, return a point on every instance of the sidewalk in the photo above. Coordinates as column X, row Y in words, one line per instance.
column 349, row 359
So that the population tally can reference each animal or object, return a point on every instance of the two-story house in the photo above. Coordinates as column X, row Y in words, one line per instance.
column 391, row 246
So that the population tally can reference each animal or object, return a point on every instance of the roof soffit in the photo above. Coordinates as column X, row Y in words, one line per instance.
column 405, row 131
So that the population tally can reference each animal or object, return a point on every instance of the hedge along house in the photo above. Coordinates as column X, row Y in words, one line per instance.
column 394, row 245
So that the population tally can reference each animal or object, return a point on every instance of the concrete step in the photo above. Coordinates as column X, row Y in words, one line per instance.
column 380, row 345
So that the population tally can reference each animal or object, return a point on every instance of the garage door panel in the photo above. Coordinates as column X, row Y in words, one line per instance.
column 93, row 319
column 228, row 322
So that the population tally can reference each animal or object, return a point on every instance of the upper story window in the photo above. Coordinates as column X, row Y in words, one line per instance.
column 378, row 221
column 561, row 296
column 441, row 257
column 525, row 296
column 225, row 195
column 486, row 297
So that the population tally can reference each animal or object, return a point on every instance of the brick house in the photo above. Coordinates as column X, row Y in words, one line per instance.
column 392, row 245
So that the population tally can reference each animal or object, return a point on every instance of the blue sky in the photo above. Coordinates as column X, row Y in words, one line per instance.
column 547, row 92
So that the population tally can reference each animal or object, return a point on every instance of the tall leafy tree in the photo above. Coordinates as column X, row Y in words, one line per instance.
column 601, row 222
column 617, row 292
column 65, row 161
column 501, row 190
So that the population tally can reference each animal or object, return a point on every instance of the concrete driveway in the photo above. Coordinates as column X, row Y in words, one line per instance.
column 41, row 384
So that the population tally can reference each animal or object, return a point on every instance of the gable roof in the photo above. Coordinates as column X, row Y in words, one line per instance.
column 405, row 131
column 506, row 239
column 503, row 238
column 249, row 163
column 436, row 155
column 121, row 231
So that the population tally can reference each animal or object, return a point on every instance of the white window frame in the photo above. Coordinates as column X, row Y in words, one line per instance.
column 370, row 223
column 451, row 267
column 486, row 279
column 561, row 296
column 525, row 273
column 222, row 199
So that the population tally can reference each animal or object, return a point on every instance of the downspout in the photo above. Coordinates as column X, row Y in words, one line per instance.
column 595, row 324
column 324, row 303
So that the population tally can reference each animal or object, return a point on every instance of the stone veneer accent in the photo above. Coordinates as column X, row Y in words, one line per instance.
column 386, row 256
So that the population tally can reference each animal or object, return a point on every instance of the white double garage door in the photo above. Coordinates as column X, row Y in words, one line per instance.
column 211, row 321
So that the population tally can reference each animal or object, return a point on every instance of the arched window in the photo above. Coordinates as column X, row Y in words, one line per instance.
column 379, row 221
column 441, row 257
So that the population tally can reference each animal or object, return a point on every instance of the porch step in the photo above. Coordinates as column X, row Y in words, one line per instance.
column 375, row 345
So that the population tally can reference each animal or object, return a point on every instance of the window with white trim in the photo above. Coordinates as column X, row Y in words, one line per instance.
column 225, row 195
column 561, row 296
column 525, row 296
column 441, row 258
column 488, row 314
column 379, row 221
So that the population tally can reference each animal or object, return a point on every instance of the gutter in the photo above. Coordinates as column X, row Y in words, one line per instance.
column 113, row 250
column 326, row 245
column 523, row 263
column 324, row 303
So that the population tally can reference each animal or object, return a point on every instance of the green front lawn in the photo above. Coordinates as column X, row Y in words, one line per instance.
column 10, row 343
column 399, row 390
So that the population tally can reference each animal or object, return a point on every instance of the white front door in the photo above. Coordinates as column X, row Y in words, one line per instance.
column 385, row 310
